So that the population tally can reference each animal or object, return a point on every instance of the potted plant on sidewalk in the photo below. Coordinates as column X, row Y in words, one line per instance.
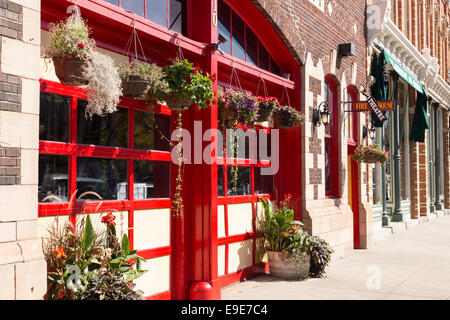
column 287, row 244
column 288, row 117
column 370, row 154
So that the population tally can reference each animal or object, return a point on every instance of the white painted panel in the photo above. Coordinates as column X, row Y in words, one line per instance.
column 221, row 260
column 221, row 221
column 46, row 223
column 157, row 279
column 240, row 256
column 151, row 228
column 239, row 218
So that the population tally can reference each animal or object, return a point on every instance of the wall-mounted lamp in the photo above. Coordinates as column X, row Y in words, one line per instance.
column 364, row 132
column 372, row 132
column 321, row 114
column 221, row 39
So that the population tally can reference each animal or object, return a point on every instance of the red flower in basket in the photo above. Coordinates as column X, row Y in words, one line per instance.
column 81, row 45
column 109, row 219
column 60, row 253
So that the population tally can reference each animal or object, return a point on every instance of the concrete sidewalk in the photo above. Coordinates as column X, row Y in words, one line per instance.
column 414, row 264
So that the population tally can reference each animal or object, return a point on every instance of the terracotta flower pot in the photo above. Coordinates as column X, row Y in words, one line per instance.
column 178, row 103
column 70, row 71
column 282, row 265
column 134, row 87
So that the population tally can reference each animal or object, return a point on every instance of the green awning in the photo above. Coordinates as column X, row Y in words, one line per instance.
column 378, row 89
column 403, row 73
column 420, row 123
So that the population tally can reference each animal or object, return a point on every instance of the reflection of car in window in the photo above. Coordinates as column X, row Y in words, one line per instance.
column 54, row 189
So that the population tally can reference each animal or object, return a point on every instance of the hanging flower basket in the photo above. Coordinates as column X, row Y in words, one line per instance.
column 134, row 86
column 370, row 154
column 70, row 71
column 288, row 117
column 236, row 107
column 178, row 103
column 266, row 106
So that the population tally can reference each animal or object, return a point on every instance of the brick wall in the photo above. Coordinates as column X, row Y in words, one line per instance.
column 22, row 265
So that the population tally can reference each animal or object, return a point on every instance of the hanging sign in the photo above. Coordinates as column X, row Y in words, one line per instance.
column 364, row 105
column 374, row 106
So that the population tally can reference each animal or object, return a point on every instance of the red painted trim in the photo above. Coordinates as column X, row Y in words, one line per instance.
column 333, row 138
column 155, row 252
column 236, row 238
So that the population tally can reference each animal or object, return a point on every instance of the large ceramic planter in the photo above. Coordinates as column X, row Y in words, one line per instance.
column 70, row 71
column 177, row 103
column 282, row 265
column 134, row 87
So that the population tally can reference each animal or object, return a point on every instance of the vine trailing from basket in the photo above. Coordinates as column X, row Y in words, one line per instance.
column 370, row 154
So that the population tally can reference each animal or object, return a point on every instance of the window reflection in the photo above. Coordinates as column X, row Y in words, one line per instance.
column 224, row 27
column 136, row 6
column 263, row 183
column 151, row 136
column 101, row 179
column 156, row 11
column 238, row 45
column 220, row 178
column 176, row 15
column 151, row 179
column 242, row 186
column 109, row 130
column 53, row 182
column 54, row 117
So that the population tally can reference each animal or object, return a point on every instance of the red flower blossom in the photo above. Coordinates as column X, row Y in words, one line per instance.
column 81, row 45
column 288, row 196
column 188, row 79
column 60, row 253
column 109, row 219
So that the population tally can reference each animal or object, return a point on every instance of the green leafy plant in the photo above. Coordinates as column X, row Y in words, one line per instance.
column 320, row 253
column 77, row 257
column 189, row 82
column 287, row 116
column 237, row 108
column 370, row 154
column 266, row 106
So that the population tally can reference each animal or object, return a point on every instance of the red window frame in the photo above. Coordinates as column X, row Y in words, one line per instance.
column 332, row 138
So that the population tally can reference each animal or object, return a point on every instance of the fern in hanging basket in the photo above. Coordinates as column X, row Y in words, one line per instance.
column 266, row 107
column 288, row 117
column 370, row 154
column 188, row 85
column 236, row 107
column 69, row 48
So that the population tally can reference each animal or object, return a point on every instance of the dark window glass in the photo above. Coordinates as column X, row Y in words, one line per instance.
column 224, row 27
column 238, row 45
column 241, row 146
column 136, row 6
column 53, row 181
column 327, row 165
column 54, row 117
column 149, row 136
column 274, row 68
column 266, row 152
column 263, row 183
column 252, row 47
column 176, row 15
column 243, row 186
column 263, row 57
column 151, row 179
column 157, row 11
column 101, row 179
column 329, row 103
column 220, row 177
column 110, row 130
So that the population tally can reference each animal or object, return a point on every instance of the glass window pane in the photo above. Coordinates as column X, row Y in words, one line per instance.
column 263, row 57
column 110, row 130
column 264, row 146
column 151, row 179
column 327, row 165
column 220, row 177
column 101, row 179
column 157, row 11
column 53, row 178
column 251, row 47
column 241, row 185
column 148, row 135
column 223, row 27
column 238, row 45
column 263, row 183
column 114, row 2
column 136, row 6
column 176, row 15
column 54, row 117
